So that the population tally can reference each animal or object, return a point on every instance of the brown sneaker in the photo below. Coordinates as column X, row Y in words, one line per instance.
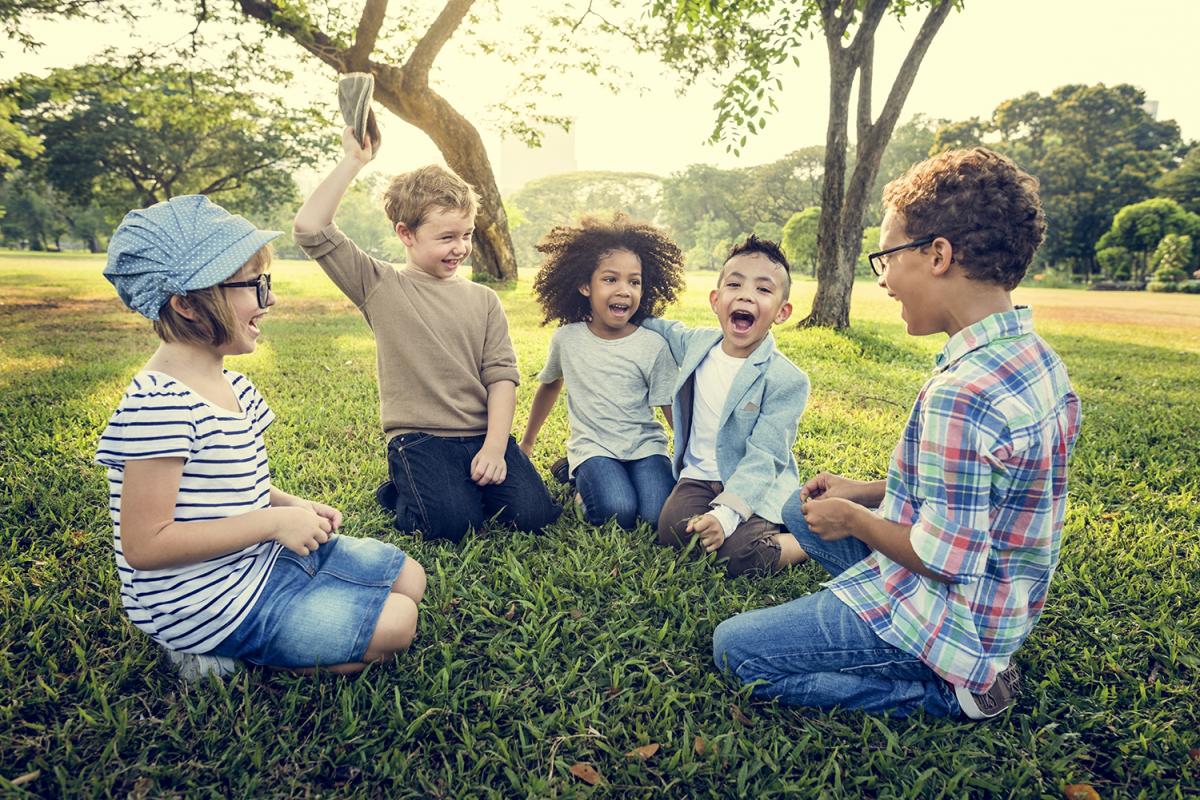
column 1000, row 696
column 561, row 471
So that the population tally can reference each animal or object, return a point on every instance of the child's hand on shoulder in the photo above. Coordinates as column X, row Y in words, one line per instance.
column 300, row 528
column 709, row 529
column 488, row 466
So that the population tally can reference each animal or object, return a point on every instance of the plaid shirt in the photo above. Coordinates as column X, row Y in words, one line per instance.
column 981, row 476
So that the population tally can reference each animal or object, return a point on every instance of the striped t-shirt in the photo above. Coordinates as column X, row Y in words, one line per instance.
column 192, row 608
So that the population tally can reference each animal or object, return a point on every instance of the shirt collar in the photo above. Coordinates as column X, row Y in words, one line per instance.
column 1002, row 325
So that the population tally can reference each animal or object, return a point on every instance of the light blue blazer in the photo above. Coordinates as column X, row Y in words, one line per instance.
column 758, row 423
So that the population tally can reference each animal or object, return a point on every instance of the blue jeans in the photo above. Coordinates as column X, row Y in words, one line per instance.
column 815, row 651
column 318, row 609
column 435, row 493
column 627, row 490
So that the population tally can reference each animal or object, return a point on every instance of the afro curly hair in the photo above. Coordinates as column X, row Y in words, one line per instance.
column 573, row 252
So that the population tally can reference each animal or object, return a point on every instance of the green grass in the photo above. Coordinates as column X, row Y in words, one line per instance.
column 535, row 653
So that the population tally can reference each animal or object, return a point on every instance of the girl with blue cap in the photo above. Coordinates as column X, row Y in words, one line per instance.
column 217, row 564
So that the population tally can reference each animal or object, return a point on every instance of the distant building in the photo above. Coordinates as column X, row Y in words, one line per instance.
column 520, row 164
column 1151, row 108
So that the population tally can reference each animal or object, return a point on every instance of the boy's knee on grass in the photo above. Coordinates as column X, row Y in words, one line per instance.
column 395, row 629
column 412, row 580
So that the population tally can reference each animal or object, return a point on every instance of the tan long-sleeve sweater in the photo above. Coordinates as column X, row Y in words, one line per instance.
column 439, row 343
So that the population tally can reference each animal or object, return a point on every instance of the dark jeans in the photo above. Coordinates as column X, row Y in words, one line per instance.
column 816, row 651
column 750, row 550
column 435, row 493
column 627, row 490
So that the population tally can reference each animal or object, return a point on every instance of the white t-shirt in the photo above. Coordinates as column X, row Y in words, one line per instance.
column 192, row 608
column 713, row 378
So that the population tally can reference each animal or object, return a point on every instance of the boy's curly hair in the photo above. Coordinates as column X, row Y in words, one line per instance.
column 983, row 203
column 572, row 253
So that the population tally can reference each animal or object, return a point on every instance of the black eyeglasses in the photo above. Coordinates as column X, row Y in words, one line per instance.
column 878, row 265
column 262, row 283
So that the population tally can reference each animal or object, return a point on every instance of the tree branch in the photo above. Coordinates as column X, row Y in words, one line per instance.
column 366, row 35
column 310, row 38
column 416, row 69
column 912, row 63
column 865, row 69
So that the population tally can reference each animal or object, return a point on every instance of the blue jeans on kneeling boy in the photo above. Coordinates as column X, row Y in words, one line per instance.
column 627, row 490
column 435, row 493
column 815, row 651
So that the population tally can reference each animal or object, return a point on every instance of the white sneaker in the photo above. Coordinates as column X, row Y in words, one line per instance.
column 194, row 666
column 999, row 696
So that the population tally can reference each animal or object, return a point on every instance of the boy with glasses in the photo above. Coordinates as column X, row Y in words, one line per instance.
column 941, row 570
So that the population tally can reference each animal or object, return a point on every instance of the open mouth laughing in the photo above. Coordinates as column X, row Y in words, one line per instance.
column 618, row 309
column 741, row 321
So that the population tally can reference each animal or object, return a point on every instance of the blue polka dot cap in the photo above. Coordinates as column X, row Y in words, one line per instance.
column 173, row 247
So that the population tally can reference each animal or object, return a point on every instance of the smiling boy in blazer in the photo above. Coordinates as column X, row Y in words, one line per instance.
column 737, row 405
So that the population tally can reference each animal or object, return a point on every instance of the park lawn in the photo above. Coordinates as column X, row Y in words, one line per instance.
column 537, row 653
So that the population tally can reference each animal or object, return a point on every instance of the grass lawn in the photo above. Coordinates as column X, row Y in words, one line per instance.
column 538, row 653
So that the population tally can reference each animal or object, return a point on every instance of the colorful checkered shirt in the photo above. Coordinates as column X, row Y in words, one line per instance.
column 981, row 476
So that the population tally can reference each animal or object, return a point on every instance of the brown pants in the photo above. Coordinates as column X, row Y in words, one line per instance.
column 750, row 549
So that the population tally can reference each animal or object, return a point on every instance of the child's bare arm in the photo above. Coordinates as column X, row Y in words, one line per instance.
column 488, row 465
column 152, row 539
column 543, row 403
column 318, row 210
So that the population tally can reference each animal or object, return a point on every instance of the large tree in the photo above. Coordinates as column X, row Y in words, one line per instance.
column 399, row 43
column 118, row 137
column 749, row 40
column 373, row 42
column 1094, row 149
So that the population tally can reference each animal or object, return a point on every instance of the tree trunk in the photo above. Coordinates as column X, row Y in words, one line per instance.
column 844, row 205
column 405, row 91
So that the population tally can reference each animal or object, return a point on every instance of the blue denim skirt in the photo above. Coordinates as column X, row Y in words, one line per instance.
column 320, row 609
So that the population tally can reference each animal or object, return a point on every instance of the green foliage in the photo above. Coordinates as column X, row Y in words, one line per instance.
column 562, row 199
column 15, row 144
column 742, row 198
column 1173, row 255
column 1116, row 263
column 711, row 239
column 1140, row 227
column 1093, row 149
column 1182, row 184
column 118, row 137
column 800, row 238
column 536, row 652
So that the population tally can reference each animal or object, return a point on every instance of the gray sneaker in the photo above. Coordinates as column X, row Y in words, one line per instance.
column 193, row 667
column 1000, row 696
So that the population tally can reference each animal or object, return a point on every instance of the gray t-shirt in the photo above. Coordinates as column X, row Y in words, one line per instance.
column 612, row 388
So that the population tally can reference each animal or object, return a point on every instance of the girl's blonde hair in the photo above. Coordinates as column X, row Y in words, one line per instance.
column 213, row 314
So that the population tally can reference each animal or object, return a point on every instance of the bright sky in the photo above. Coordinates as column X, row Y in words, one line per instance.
column 991, row 51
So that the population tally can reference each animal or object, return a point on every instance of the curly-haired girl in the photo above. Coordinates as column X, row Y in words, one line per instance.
column 599, row 279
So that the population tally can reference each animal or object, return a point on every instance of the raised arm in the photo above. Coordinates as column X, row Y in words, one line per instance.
column 318, row 210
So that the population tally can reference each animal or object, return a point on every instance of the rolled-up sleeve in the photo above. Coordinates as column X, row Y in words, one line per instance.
column 352, row 270
column 499, row 359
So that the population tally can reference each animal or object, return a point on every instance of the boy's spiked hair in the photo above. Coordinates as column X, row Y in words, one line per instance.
column 773, row 252
column 979, row 200
column 573, row 251
column 410, row 196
